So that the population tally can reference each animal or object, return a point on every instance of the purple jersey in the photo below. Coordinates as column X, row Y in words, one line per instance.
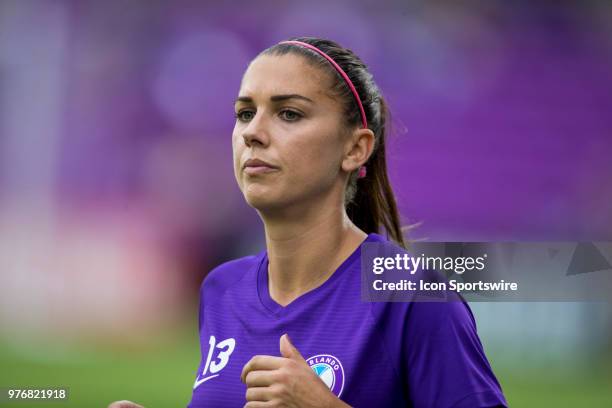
column 416, row 354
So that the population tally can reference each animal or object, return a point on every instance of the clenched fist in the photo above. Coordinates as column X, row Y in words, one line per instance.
column 285, row 381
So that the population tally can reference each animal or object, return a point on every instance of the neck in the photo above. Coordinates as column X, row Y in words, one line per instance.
column 304, row 250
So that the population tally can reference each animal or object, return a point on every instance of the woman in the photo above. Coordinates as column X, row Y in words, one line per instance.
column 287, row 327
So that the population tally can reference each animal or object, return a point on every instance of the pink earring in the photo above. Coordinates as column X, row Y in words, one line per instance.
column 362, row 172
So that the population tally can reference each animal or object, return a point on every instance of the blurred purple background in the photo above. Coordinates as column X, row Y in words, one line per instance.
column 117, row 192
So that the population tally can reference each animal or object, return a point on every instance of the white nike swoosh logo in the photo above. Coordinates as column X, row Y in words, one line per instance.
column 198, row 382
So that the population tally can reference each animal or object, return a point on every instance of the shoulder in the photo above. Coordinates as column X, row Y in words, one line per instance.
column 226, row 275
column 417, row 310
column 441, row 319
column 429, row 318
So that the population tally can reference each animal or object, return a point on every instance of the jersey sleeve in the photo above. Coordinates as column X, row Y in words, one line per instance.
column 444, row 360
column 213, row 287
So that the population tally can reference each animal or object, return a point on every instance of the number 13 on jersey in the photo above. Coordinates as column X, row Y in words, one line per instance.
column 218, row 357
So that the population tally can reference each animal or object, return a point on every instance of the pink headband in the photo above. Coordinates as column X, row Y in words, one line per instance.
column 364, row 122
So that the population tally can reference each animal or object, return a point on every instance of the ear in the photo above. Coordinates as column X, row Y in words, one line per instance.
column 358, row 149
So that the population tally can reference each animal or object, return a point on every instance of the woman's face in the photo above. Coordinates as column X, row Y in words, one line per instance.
column 286, row 118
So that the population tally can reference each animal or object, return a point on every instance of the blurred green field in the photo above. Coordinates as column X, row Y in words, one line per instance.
column 161, row 372
column 157, row 373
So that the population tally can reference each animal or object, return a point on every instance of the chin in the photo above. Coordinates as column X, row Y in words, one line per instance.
column 260, row 198
column 268, row 203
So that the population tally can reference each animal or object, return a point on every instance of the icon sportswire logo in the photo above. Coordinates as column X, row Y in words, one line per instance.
column 215, row 362
column 330, row 370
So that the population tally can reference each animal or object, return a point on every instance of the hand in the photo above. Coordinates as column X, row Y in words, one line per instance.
column 285, row 381
column 124, row 404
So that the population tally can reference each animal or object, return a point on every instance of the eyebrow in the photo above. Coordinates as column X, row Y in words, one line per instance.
column 276, row 98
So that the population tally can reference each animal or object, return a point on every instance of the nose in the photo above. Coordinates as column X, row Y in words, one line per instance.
column 256, row 132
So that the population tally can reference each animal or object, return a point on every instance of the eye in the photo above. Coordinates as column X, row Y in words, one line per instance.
column 289, row 115
column 244, row 115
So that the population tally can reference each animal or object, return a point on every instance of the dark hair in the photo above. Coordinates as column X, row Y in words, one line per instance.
column 370, row 202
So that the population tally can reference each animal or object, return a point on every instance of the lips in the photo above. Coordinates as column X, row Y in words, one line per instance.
column 258, row 166
column 258, row 163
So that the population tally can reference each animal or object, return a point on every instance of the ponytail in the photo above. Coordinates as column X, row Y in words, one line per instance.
column 373, row 204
